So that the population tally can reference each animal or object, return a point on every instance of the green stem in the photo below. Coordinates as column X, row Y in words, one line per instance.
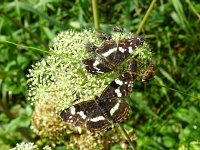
column 95, row 14
column 193, row 9
column 3, row 106
column 175, row 90
column 127, row 136
column 26, row 47
column 145, row 17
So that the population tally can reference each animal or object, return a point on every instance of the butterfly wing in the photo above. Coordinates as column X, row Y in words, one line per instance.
column 113, row 109
column 126, row 46
column 108, row 110
column 78, row 114
column 149, row 73
column 98, row 122
column 119, row 112
column 94, row 66
column 107, row 48
column 104, row 36
column 115, row 53
column 121, row 87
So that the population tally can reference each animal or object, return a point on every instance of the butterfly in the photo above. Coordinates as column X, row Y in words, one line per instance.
column 98, row 115
column 149, row 73
column 110, row 54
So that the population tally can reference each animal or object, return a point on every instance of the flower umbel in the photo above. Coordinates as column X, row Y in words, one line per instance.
column 62, row 80
column 29, row 146
column 62, row 74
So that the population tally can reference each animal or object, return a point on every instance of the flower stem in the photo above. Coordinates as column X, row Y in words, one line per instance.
column 95, row 14
column 145, row 17
column 127, row 136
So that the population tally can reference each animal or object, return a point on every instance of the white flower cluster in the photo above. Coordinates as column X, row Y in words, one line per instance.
column 62, row 77
column 29, row 146
column 25, row 146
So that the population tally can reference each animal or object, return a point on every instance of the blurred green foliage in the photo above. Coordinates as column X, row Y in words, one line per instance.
column 161, row 117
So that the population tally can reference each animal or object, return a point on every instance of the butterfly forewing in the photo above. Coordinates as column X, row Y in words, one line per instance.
column 107, row 49
column 90, row 47
column 121, row 87
column 94, row 66
column 109, row 110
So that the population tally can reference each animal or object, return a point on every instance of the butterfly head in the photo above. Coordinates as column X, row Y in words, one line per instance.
column 133, row 66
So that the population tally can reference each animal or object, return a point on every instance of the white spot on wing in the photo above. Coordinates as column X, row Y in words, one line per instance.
column 119, row 94
column 81, row 113
column 130, row 49
column 96, row 63
column 130, row 85
column 122, row 49
column 119, row 81
column 95, row 67
column 106, row 54
column 73, row 110
column 114, row 109
column 96, row 119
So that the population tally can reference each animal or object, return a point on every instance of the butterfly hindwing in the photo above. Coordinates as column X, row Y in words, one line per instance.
column 119, row 112
column 114, row 110
column 77, row 114
column 97, row 122
column 121, row 87
column 109, row 110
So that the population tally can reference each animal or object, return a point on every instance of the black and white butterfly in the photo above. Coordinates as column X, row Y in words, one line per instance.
column 99, row 114
column 110, row 54
column 149, row 73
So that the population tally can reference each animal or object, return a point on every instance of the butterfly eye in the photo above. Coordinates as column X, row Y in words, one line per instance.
column 133, row 66
column 90, row 47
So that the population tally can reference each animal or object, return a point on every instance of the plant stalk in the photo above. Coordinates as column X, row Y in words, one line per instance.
column 127, row 136
column 145, row 17
column 95, row 14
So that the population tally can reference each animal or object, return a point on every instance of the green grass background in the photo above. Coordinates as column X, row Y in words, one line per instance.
column 166, row 111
